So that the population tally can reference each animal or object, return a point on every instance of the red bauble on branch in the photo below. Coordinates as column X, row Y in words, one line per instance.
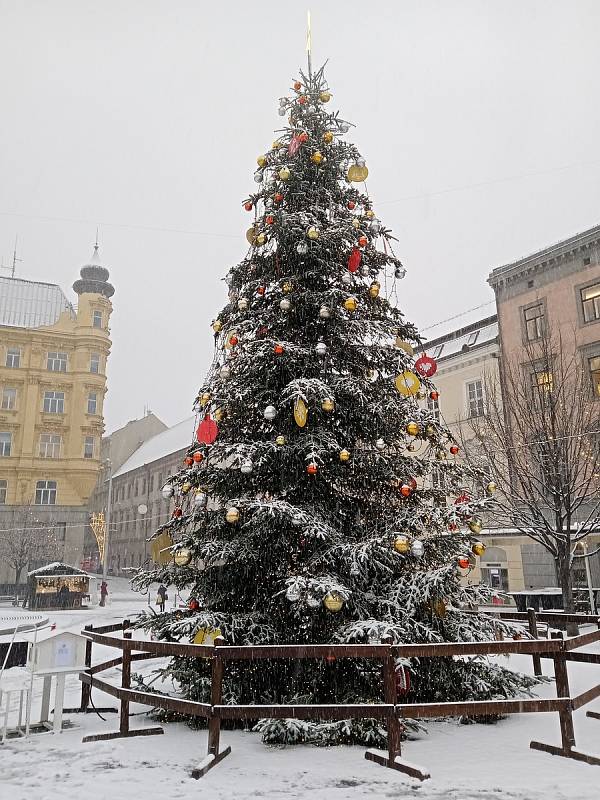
column 294, row 145
column 402, row 681
column 354, row 260
column 208, row 430
column 426, row 366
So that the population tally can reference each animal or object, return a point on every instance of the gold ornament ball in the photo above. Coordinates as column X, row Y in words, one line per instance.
column 204, row 398
column 232, row 515
column 344, row 455
column 328, row 404
column 185, row 487
column 350, row 304
column 441, row 455
column 430, row 430
column 260, row 239
column 316, row 157
column 475, row 525
column 219, row 414
column 328, row 137
column 287, row 287
column 478, row 548
column 356, row 222
column 280, row 441
column 333, row 601
column 491, row 487
column 374, row 289
column 412, row 428
column 217, row 326
column 261, row 161
column 284, row 174
column 357, row 174
column 276, row 145
column 325, row 97
column 401, row 543
column 312, row 232
column 182, row 557
column 369, row 213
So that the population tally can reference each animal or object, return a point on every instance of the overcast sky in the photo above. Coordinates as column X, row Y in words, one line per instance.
column 479, row 122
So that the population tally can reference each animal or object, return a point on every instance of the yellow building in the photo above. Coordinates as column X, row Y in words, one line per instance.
column 52, row 386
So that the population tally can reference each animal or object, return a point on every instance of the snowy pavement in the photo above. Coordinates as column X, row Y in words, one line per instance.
column 487, row 762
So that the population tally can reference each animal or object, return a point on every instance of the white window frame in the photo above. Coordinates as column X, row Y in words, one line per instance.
column 5, row 444
column 55, row 402
column 9, row 398
column 92, row 403
column 95, row 361
column 50, row 445
column 97, row 318
column 477, row 400
column 45, row 493
column 13, row 354
column 3, row 491
column 57, row 361
column 87, row 442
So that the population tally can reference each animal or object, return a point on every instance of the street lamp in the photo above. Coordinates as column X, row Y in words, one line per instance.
column 108, row 464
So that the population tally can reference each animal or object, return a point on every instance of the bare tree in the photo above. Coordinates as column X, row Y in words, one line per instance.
column 27, row 541
column 540, row 442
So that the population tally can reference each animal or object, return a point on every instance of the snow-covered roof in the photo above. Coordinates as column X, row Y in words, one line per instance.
column 59, row 569
column 166, row 443
column 457, row 322
column 464, row 339
column 31, row 304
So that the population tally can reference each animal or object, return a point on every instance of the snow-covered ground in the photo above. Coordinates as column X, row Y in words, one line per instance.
column 466, row 762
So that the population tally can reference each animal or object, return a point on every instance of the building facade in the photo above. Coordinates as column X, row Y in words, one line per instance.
column 52, row 386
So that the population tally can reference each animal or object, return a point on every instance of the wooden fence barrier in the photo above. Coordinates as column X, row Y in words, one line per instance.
column 559, row 649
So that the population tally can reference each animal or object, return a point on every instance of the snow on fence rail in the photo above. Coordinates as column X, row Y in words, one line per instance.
column 559, row 649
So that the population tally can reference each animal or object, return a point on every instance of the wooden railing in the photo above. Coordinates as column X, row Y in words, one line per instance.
column 559, row 649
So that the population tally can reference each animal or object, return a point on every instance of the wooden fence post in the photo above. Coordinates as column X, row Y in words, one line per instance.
column 216, row 695
column 125, row 680
column 561, row 676
column 390, row 691
column 537, row 661
column 86, row 689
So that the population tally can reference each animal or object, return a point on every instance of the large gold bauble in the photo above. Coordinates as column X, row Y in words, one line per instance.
column 356, row 223
column 312, row 232
column 344, row 455
column 217, row 326
column 491, row 487
column 261, row 161
column 412, row 428
column 286, row 287
column 350, row 304
column 300, row 412
column 219, row 414
column 369, row 213
column 475, row 525
column 182, row 557
column 406, row 346
column 430, row 430
column 251, row 234
column 478, row 548
column 333, row 601
column 325, row 97
column 374, row 289
column 328, row 137
column 185, row 487
column 204, row 398
column 260, row 240
column 316, row 157
column 357, row 174
column 328, row 404
column 280, row 441
column 284, row 174
column 402, row 543
column 232, row 515
column 276, row 144
column 407, row 383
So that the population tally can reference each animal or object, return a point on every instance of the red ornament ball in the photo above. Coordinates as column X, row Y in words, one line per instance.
column 351, row 205
column 297, row 86
column 278, row 197
column 261, row 290
column 312, row 469
column 454, row 449
column 177, row 513
column 426, row 366
column 269, row 219
column 303, row 100
column 188, row 461
column 198, row 457
column 462, row 498
column 303, row 137
column 412, row 483
column 278, row 349
column 354, row 260
column 463, row 562
column 233, row 340
column 207, row 430
column 363, row 241
column 434, row 395
column 248, row 206
column 402, row 681
column 405, row 490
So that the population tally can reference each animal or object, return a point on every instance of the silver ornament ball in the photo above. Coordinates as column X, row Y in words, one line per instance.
column 270, row 412
column 321, row 348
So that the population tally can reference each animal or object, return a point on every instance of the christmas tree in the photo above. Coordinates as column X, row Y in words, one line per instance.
column 321, row 501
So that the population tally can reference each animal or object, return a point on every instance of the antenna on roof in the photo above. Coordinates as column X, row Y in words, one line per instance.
column 15, row 259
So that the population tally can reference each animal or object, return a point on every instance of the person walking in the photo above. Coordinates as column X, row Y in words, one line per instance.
column 161, row 597
column 103, row 593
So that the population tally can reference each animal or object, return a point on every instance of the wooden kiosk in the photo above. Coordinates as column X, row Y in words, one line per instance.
column 57, row 586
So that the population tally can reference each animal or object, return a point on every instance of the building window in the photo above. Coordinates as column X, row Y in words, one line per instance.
column 590, row 301
column 434, row 407
column 151, row 483
column 128, row 491
column 3, row 490
column 437, row 351
column 541, row 387
column 54, row 402
column 45, row 493
column 143, row 490
column 13, row 357
column 587, row 261
column 92, row 404
column 594, row 366
column 57, row 362
column 475, row 398
column 472, row 338
column 95, row 363
column 88, row 447
column 9, row 398
column 97, row 319
column 50, row 444
column 534, row 322
column 61, row 532
column 5, row 443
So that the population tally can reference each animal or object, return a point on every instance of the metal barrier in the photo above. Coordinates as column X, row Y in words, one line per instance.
column 560, row 650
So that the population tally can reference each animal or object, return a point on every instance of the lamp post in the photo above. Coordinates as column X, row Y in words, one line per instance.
column 107, row 532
